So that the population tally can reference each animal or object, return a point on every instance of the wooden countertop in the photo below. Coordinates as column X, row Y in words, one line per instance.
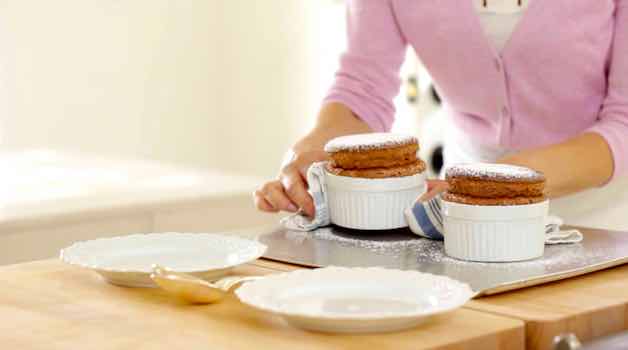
column 590, row 306
column 48, row 304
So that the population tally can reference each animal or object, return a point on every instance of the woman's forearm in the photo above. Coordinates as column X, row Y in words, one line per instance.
column 577, row 164
column 334, row 119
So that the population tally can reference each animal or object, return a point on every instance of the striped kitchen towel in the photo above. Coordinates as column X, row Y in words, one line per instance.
column 316, row 184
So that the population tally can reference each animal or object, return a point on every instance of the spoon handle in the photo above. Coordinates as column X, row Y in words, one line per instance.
column 227, row 283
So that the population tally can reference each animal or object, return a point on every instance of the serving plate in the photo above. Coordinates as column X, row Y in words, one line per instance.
column 354, row 300
column 127, row 260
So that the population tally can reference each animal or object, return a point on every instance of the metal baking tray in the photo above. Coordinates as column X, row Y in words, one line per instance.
column 400, row 249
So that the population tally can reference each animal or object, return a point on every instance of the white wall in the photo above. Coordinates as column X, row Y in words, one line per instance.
column 217, row 83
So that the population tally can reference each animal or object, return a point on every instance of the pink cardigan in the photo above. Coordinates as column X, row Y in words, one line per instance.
column 563, row 72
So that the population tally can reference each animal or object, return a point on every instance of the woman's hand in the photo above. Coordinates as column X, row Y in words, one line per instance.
column 289, row 191
column 434, row 188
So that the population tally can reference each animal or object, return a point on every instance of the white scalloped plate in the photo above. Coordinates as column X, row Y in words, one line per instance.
column 127, row 260
column 355, row 300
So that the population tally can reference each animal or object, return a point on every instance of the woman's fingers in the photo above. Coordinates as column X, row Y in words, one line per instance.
column 434, row 188
column 296, row 189
column 261, row 203
column 275, row 195
column 289, row 193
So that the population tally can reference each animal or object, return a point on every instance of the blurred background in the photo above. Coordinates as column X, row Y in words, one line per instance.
column 137, row 116
column 121, row 117
column 174, row 81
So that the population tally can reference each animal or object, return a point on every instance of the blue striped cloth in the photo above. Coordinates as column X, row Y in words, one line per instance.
column 426, row 219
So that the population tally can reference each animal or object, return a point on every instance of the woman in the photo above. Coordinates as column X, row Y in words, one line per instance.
column 543, row 84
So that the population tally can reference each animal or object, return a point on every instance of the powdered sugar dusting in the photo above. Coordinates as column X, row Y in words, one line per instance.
column 427, row 247
column 498, row 172
column 433, row 252
column 365, row 142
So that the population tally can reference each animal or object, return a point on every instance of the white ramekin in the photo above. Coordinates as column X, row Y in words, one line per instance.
column 372, row 204
column 494, row 233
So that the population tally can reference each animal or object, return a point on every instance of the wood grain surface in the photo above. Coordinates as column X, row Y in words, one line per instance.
column 49, row 305
column 590, row 306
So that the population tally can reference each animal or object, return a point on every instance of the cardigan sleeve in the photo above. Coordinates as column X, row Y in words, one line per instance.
column 612, row 122
column 368, row 78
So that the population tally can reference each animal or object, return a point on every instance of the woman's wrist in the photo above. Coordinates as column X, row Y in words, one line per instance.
column 312, row 142
column 334, row 120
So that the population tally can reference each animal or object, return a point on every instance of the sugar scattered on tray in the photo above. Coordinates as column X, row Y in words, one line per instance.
column 429, row 251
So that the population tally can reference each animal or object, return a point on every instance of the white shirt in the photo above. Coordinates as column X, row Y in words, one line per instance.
column 500, row 18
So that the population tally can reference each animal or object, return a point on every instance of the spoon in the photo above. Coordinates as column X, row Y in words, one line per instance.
column 193, row 289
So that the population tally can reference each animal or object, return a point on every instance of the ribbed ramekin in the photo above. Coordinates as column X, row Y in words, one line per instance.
column 372, row 204
column 494, row 233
